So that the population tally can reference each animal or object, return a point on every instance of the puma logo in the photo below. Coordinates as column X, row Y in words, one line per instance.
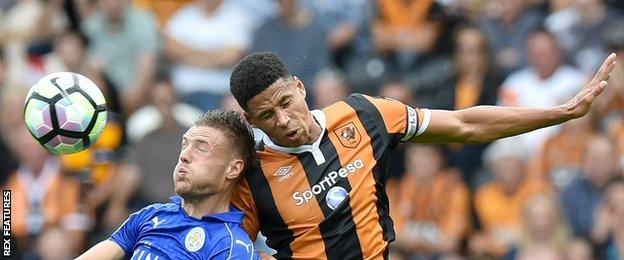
column 247, row 246
column 156, row 222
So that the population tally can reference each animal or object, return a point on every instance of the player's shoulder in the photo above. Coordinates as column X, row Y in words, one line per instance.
column 359, row 101
column 156, row 208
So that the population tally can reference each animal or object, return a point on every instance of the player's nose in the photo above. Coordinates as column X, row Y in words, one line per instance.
column 185, row 155
column 282, row 118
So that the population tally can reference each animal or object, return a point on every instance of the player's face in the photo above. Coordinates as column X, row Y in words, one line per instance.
column 282, row 113
column 203, row 162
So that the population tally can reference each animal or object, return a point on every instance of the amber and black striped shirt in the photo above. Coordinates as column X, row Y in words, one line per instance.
column 327, row 200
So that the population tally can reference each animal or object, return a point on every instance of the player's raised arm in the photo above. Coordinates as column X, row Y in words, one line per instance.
column 105, row 250
column 487, row 123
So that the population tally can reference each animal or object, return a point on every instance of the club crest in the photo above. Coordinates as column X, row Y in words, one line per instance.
column 348, row 135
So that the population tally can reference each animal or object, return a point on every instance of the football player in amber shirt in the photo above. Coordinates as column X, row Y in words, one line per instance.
column 318, row 191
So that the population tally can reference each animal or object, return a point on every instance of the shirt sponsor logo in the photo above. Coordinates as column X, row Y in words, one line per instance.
column 335, row 196
column 327, row 182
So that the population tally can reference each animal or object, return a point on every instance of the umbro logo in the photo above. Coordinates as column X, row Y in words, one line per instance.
column 283, row 172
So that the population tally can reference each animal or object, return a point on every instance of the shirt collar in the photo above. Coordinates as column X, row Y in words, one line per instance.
column 233, row 216
column 320, row 118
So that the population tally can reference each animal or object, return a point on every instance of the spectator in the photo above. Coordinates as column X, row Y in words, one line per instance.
column 580, row 200
column 431, row 207
column 587, row 45
column 25, row 40
column 124, row 44
column 154, row 129
column 546, row 82
column 204, row 40
column 329, row 87
column 406, row 31
column 563, row 16
column 164, row 110
column 297, row 36
column 507, row 26
column 560, row 158
column 612, row 104
column 464, row 80
column 467, row 79
column 499, row 204
column 476, row 81
column 609, row 228
column 346, row 23
column 97, row 168
column 7, row 162
column 42, row 197
column 544, row 232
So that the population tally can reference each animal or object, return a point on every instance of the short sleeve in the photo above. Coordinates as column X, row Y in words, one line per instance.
column 400, row 121
column 127, row 234
column 243, row 200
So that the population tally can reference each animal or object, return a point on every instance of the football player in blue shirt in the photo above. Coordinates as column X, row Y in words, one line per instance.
column 199, row 223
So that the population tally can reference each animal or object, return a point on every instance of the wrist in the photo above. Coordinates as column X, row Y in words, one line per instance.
column 565, row 112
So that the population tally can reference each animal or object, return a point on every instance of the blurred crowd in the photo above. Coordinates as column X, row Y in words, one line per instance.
column 555, row 193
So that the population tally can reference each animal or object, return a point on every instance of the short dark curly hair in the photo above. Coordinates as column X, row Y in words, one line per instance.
column 255, row 73
column 236, row 129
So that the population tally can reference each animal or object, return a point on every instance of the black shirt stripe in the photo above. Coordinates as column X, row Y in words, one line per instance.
column 382, row 142
column 271, row 223
column 337, row 229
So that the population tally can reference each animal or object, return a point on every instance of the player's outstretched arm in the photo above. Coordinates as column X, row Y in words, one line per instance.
column 105, row 250
column 487, row 123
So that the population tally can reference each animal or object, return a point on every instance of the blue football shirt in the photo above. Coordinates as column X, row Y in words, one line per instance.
column 165, row 231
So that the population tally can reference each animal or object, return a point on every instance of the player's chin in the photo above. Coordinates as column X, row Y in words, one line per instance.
column 182, row 188
column 293, row 142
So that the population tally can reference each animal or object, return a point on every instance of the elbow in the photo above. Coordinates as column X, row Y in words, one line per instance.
column 473, row 135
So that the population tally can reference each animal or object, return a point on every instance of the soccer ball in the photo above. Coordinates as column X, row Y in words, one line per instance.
column 65, row 112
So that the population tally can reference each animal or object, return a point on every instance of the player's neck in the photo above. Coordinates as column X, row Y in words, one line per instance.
column 212, row 204
column 315, row 131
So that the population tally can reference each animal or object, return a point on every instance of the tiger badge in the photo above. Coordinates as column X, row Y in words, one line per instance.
column 348, row 135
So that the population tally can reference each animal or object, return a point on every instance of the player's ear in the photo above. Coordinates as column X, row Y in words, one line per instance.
column 235, row 169
column 300, row 87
